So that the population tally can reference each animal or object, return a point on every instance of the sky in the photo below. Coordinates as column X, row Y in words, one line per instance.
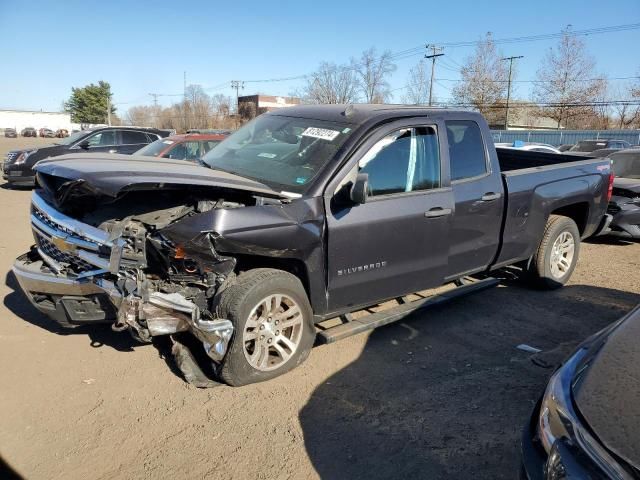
column 146, row 47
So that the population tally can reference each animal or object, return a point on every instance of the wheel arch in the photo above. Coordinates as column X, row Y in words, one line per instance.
column 293, row 266
column 578, row 212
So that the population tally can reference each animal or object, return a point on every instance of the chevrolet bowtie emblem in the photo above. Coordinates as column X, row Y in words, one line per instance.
column 63, row 245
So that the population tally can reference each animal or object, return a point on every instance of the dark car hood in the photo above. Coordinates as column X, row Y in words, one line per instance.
column 110, row 174
column 608, row 393
column 42, row 148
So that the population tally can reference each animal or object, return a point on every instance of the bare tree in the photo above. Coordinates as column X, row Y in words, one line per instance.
column 417, row 88
column 199, row 106
column 565, row 81
column 140, row 115
column 372, row 71
column 626, row 112
column 484, row 80
column 221, row 106
column 331, row 84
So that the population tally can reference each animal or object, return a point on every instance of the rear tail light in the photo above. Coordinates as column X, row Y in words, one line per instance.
column 610, row 189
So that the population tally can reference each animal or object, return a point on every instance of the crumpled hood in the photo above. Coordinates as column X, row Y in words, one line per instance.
column 110, row 174
column 608, row 394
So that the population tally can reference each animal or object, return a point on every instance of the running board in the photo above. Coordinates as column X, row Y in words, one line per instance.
column 375, row 320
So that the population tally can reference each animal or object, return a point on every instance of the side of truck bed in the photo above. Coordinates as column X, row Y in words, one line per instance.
column 540, row 184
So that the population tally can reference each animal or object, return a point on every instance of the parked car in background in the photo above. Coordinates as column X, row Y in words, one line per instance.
column 587, row 424
column 17, row 167
column 565, row 147
column 590, row 146
column 29, row 132
column 213, row 131
column 47, row 133
column 10, row 133
column 624, row 206
column 529, row 146
column 182, row 147
column 62, row 133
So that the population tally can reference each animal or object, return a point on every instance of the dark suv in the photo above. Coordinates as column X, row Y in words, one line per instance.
column 17, row 167
column 29, row 132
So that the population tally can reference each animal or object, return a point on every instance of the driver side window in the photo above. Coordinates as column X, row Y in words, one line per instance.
column 406, row 160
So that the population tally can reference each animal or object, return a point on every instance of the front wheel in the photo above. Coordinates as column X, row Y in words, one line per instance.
column 273, row 323
column 556, row 257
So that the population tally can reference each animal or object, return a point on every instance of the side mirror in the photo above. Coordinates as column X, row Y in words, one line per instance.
column 84, row 145
column 359, row 189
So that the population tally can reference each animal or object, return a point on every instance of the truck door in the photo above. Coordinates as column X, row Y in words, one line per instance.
column 474, row 234
column 396, row 242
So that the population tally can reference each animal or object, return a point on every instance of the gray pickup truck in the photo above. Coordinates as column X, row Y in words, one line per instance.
column 303, row 215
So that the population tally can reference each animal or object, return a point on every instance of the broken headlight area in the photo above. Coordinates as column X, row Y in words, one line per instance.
column 158, row 282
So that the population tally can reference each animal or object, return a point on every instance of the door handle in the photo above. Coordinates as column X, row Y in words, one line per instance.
column 490, row 196
column 437, row 212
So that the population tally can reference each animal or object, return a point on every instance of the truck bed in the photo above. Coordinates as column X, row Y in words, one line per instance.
column 514, row 159
column 534, row 180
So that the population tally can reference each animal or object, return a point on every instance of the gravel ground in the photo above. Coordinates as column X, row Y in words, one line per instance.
column 443, row 394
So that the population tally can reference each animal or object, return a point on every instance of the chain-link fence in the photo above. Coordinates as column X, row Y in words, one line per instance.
column 561, row 137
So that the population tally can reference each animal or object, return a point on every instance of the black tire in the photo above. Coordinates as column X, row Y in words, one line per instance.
column 236, row 304
column 539, row 271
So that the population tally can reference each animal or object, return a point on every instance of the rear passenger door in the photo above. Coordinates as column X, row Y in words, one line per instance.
column 478, row 193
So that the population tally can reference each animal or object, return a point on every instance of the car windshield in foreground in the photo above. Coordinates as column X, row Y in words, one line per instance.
column 285, row 153
column 74, row 137
column 155, row 148
column 588, row 146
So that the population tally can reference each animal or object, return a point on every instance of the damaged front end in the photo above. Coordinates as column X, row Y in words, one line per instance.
column 112, row 261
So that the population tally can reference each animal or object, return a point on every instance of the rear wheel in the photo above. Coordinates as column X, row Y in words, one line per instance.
column 557, row 255
column 273, row 326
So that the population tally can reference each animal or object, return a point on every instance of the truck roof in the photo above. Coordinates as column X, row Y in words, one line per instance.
column 360, row 113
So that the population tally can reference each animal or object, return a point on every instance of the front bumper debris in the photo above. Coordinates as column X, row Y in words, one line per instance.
column 162, row 314
column 78, row 274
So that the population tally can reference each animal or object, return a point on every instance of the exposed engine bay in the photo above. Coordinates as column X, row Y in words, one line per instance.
column 143, row 273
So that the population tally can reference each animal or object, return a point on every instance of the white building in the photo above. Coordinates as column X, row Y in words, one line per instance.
column 20, row 119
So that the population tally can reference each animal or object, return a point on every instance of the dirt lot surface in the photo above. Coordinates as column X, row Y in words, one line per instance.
column 443, row 394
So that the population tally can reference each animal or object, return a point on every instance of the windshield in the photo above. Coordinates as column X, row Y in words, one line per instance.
column 626, row 164
column 285, row 153
column 588, row 146
column 74, row 137
column 155, row 148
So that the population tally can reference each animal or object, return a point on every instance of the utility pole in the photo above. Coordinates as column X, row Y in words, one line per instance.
column 109, row 109
column 432, row 57
column 184, row 102
column 155, row 99
column 237, row 85
column 506, row 115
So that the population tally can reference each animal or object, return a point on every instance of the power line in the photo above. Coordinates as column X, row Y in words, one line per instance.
column 529, row 38
column 417, row 50
column 546, row 81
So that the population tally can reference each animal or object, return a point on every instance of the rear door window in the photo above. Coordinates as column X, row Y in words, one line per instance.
column 466, row 149
column 130, row 137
